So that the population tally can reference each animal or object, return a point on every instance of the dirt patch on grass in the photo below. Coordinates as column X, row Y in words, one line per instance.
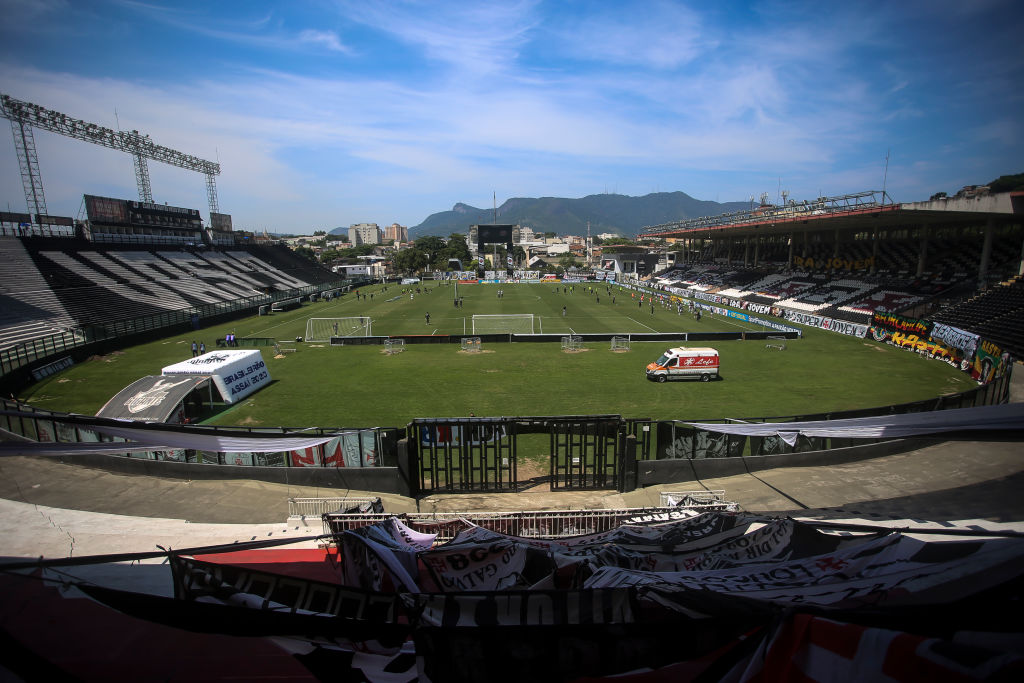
column 250, row 421
column 575, row 350
column 473, row 353
column 109, row 358
column 63, row 380
column 876, row 348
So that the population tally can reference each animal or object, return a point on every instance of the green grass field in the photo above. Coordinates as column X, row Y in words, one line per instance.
column 361, row 386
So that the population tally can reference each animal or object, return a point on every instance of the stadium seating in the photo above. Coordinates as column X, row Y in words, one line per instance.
column 52, row 285
column 996, row 314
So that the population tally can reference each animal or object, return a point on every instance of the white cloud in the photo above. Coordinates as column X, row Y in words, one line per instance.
column 327, row 39
column 656, row 35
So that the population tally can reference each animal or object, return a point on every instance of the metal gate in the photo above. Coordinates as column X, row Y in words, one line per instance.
column 643, row 430
column 583, row 452
column 465, row 455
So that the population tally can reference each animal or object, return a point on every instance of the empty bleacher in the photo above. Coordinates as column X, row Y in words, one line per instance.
column 997, row 314
column 52, row 285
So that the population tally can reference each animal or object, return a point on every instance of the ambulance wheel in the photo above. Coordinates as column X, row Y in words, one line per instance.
column 662, row 378
column 705, row 378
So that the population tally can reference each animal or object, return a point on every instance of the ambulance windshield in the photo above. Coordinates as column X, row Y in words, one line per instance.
column 663, row 361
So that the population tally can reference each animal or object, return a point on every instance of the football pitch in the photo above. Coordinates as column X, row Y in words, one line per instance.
column 362, row 386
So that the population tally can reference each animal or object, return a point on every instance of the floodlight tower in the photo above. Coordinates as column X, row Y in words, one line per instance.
column 24, row 116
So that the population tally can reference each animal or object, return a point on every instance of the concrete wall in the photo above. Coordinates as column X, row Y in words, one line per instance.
column 993, row 203
column 651, row 472
column 377, row 479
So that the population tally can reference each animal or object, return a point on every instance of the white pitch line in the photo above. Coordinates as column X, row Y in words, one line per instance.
column 641, row 324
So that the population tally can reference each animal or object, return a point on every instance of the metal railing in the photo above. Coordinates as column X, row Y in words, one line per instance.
column 317, row 507
column 697, row 500
column 543, row 524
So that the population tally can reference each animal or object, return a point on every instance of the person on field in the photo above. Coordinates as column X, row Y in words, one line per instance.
column 195, row 349
column 427, row 316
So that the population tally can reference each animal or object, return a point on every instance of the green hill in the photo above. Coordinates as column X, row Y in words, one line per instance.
column 605, row 213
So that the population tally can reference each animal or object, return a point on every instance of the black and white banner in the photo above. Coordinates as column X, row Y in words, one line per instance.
column 955, row 337
column 831, row 324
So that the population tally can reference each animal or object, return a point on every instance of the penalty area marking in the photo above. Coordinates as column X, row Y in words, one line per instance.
column 641, row 324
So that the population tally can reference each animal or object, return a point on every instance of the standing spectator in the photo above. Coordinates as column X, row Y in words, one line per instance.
column 195, row 349
column 202, row 348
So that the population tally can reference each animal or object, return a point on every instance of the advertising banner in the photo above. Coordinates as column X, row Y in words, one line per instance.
column 235, row 373
column 989, row 362
column 830, row 324
column 955, row 337
column 913, row 342
column 898, row 323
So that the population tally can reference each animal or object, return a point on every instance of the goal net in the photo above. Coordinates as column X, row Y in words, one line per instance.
column 322, row 329
column 517, row 323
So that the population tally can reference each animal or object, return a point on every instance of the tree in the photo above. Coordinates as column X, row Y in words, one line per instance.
column 431, row 246
column 317, row 233
column 567, row 261
column 1007, row 183
column 457, row 247
column 306, row 252
column 410, row 260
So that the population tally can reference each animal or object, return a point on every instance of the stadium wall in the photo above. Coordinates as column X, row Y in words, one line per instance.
column 378, row 479
column 652, row 472
column 506, row 337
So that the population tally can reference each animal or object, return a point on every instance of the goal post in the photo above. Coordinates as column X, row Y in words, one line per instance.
column 322, row 329
column 516, row 323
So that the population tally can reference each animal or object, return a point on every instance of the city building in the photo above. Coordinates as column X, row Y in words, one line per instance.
column 364, row 233
column 396, row 233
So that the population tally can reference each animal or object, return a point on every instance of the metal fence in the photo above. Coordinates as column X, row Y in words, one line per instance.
column 545, row 524
column 318, row 507
column 367, row 447
column 696, row 500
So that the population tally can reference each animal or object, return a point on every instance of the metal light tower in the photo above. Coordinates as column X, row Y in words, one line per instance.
column 28, row 164
column 24, row 116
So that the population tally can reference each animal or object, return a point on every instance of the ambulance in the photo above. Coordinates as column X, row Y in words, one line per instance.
column 682, row 362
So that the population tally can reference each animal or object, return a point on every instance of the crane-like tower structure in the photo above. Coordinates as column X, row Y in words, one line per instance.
column 24, row 116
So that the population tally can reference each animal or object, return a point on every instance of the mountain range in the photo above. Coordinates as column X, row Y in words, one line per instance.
column 616, row 213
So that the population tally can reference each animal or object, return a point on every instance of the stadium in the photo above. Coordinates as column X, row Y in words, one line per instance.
column 479, row 479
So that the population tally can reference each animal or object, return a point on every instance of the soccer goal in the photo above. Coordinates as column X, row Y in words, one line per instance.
column 572, row 343
column 322, row 329
column 517, row 323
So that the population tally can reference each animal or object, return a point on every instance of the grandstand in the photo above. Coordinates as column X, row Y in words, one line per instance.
column 140, row 268
column 846, row 258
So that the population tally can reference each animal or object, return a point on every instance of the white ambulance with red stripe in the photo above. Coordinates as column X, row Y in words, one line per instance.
column 683, row 363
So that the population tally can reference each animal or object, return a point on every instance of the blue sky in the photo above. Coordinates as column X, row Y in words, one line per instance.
column 324, row 114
